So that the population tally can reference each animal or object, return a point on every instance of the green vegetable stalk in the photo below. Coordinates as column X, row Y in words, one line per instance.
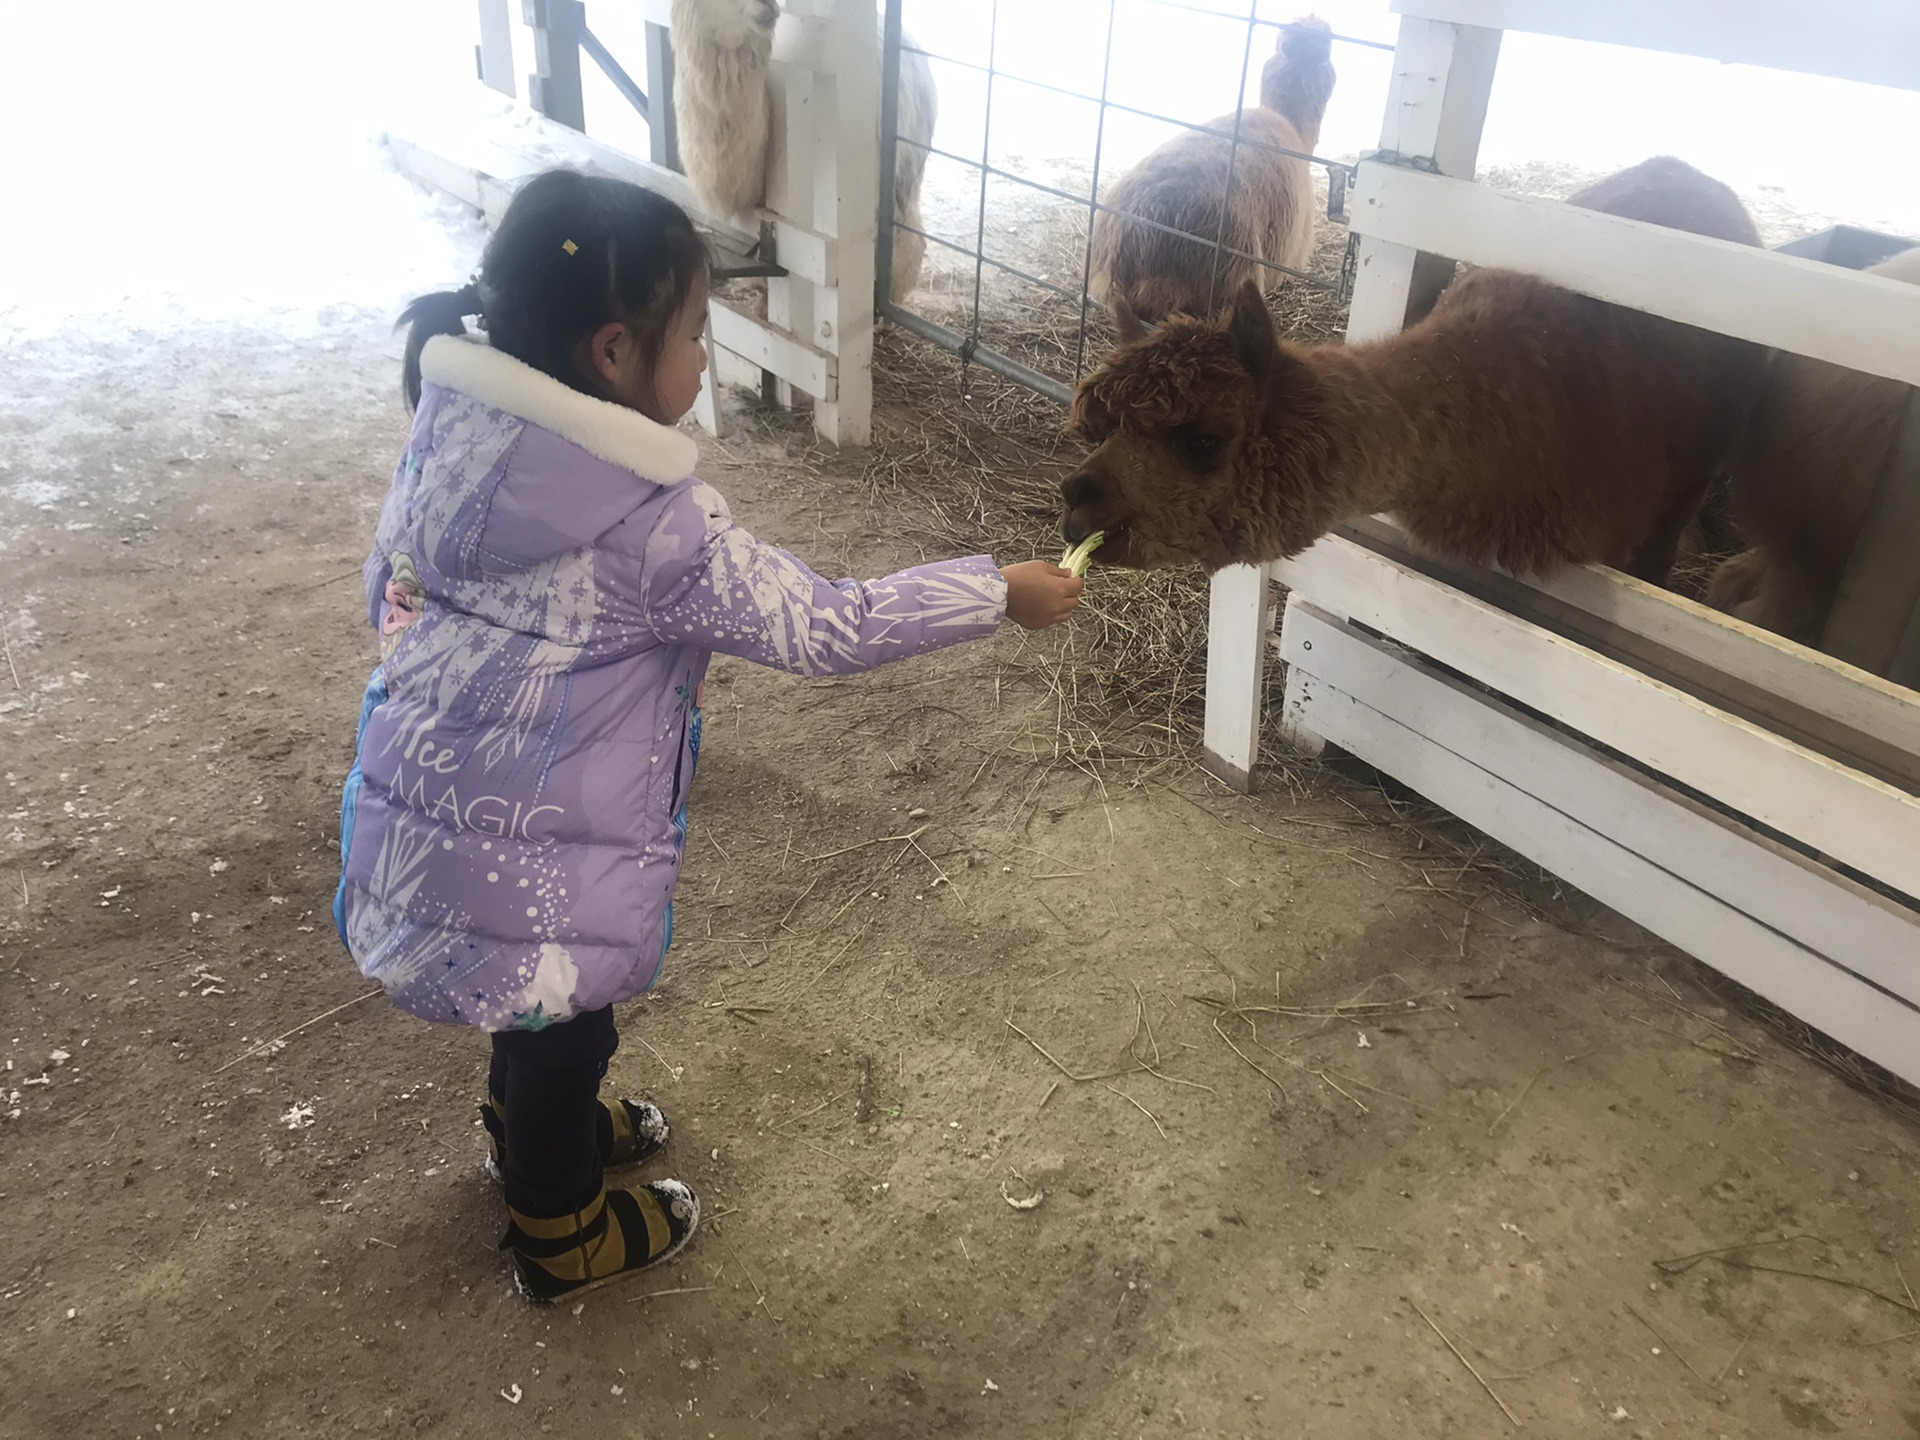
column 1079, row 557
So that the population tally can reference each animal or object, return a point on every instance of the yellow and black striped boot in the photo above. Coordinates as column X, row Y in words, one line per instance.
column 630, row 1132
column 618, row 1232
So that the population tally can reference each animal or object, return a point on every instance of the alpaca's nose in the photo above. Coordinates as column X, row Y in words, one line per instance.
column 1081, row 494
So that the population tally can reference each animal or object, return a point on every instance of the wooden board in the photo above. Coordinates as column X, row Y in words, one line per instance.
column 499, row 152
column 1813, row 699
column 849, row 170
column 506, row 142
column 1477, row 787
column 1876, row 42
column 495, row 50
column 1864, row 322
column 1862, row 822
column 1436, row 110
column 793, row 362
column 1238, row 621
column 1867, row 933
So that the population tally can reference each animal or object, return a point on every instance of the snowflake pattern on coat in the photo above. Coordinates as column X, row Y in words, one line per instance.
column 514, row 822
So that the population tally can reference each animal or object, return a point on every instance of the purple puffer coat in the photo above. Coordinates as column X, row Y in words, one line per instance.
column 549, row 581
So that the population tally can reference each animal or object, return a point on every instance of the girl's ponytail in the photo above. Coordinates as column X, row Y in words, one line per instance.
column 442, row 313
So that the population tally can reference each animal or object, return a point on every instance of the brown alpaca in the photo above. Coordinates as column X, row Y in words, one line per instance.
column 1183, row 184
column 1803, row 475
column 1518, row 424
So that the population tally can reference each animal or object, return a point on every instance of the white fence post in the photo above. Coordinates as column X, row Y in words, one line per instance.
column 847, row 208
column 494, row 53
column 1237, row 629
column 1436, row 108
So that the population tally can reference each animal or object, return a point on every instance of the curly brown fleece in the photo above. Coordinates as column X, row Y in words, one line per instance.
column 1518, row 424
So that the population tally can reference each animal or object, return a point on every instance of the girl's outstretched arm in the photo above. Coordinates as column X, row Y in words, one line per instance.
column 711, row 583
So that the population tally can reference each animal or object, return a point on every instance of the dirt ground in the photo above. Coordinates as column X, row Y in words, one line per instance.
column 1112, row 1104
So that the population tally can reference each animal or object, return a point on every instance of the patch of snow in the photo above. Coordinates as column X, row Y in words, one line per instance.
column 41, row 494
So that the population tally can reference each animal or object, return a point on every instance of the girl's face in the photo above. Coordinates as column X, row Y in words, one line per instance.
column 666, row 389
column 683, row 359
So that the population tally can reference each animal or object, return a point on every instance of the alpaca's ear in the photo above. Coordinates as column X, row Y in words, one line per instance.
column 1128, row 323
column 1250, row 325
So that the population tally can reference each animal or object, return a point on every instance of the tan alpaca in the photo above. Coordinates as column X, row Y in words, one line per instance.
column 1803, row 475
column 1183, row 186
column 722, row 53
column 1518, row 423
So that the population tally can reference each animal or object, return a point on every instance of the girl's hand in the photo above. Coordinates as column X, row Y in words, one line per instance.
column 1040, row 594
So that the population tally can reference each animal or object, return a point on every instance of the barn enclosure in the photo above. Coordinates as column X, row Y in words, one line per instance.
column 1752, row 801
column 1032, row 1079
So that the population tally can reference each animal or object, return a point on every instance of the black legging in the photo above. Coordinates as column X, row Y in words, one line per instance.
column 550, row 1082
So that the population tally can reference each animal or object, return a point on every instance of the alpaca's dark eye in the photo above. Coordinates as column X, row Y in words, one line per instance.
column 1196, row 447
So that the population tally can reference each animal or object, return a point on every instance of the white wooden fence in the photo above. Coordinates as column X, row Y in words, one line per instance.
column 1747, row 799
column 814, row 346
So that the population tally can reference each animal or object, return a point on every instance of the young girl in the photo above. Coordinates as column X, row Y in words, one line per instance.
column 548, row 580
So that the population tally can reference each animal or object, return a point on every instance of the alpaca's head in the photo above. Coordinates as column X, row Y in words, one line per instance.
column 1198, row 432
column 729, row 24
column 1298, row 79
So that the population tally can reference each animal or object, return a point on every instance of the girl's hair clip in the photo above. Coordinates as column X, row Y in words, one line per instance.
column 569, row 247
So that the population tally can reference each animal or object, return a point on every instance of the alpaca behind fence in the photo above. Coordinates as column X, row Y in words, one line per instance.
column 1518, row 424
column 1803, row 477
column 1183, row 187
column 723, row 54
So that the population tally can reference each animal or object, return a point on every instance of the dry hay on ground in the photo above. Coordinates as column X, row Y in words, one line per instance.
column 979, row 460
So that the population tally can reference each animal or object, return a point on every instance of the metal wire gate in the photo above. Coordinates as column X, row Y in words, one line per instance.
column 968, row 344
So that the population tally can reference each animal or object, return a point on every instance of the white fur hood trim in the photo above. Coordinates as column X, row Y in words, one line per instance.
column 612, row 432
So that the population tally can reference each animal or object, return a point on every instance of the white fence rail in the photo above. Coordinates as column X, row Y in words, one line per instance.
column 1864, row 322
column 1876, row 42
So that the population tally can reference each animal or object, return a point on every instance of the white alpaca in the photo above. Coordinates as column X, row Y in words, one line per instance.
column 722, row 51
column 919, row 109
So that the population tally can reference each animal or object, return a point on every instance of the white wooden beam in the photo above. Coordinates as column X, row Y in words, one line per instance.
column 1238, row 622
column 1864, row 322
column 1436, row 110
column 1297, row 730
column 473, row 173
column 847, row 208
column 1866, row 933
column 806, row 42
column 805, row 254
column 1475, row 787
column 1862, row 822
column 792, row 159
column 1833, row 705
column 732, row 369
column 495, row 50
column 808, row 369
column 1873, row 41
column 505, row 143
